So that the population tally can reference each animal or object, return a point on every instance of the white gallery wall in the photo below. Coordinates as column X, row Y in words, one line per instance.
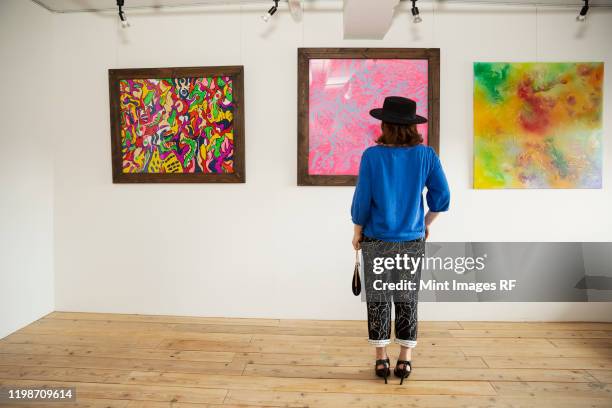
column 268, row 248
column 26, row 167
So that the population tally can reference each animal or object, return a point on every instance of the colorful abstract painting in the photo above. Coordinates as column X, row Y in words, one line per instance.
column 177, row 125
column 538, row 125
column 341, row 94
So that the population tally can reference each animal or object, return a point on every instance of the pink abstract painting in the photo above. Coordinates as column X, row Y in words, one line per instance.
column 341, row 94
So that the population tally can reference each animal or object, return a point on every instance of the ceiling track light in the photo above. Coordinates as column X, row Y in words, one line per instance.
column 124, row 22
column 266, row 17
column 583, row 11
column 416, row 17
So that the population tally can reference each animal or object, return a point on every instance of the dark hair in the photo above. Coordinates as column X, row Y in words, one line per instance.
column 399, row 135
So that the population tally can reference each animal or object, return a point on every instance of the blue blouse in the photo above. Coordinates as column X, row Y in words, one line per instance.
column 388, row 199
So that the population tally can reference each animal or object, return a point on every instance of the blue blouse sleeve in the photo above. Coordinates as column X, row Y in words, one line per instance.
column 438, row 193
column 362, row 198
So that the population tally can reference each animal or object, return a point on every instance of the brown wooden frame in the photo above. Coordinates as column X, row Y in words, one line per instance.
column 432, row 55
column 237, row 75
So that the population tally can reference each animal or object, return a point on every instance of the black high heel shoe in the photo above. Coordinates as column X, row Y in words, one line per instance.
column 384, row 371
column 403, row 372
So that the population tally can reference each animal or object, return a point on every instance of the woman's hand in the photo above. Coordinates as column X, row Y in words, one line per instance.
column 357, row 242
column 357, row 237
column 426, row 232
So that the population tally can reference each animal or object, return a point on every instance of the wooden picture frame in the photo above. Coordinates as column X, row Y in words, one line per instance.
column 205, row 174
column 305, row 55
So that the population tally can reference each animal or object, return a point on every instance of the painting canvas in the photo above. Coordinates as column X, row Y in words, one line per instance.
column 342, row 91
column 177, row 125
column 538, row 125
column 338, row 88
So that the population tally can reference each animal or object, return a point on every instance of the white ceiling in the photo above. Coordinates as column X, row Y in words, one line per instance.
column 67, row 6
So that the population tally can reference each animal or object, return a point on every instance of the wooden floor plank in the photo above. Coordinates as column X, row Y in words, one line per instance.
column 233, row 368
column 202, row 345
column 190, row 329
column 114, row 352
column 132, row 391
column 561, row 363
column 318, row 340
column 149, row 404
column 80, row 403
column 421, row 373
column 343, row 341
column 297, row 348
column 358, row 360
column 550, row 351
column 537, row 326
column 424, row 345
column 89, row 327
column 194, row 331
column 543, row 334
column 604, row 376
column 485, row 341
column 161, row 318
column 98, row 375
column 374, row 386
column 121, row 328
column 390, row 400
column 553, row 389
column 139, row 341
column 585, row 343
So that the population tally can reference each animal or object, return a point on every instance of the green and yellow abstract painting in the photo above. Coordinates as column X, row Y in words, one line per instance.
column 538, row 125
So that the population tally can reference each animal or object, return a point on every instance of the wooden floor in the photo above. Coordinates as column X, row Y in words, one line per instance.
column 139, row 361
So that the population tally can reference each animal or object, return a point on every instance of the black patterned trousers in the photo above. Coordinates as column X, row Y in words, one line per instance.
column 379, row 303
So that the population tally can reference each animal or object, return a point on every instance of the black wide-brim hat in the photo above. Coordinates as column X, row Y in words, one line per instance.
column 398, row 111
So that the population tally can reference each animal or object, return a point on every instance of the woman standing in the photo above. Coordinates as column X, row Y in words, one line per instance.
column 389, row 218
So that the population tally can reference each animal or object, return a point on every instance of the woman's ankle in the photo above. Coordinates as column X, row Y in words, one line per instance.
column 405, row 353
column 381, row 353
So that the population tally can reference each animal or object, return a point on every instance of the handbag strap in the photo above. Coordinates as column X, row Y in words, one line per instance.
column 357, row 261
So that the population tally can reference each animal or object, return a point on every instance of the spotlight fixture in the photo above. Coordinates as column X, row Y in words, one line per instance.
column 295, row 8
column 124, row 22
column 583, row 11
column 416, row 17
column 266, row 17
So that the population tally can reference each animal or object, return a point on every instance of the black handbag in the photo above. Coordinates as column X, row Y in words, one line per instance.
column 356, row 281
